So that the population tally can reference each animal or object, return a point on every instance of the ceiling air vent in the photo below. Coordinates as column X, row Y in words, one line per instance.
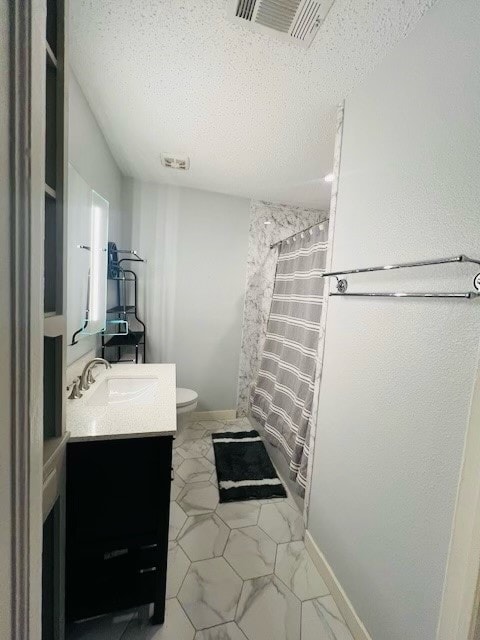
column 290, row 20
column 175, row 162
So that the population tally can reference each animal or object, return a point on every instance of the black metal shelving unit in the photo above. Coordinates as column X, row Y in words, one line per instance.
column 124, row 312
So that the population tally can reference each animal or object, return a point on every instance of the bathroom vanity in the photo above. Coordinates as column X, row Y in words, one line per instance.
column 118, row 491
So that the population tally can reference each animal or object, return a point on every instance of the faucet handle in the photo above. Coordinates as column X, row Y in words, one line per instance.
column 75, row 387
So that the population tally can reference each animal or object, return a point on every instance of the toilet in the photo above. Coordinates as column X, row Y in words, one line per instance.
column 186, row 403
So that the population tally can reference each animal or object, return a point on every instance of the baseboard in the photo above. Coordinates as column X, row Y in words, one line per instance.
column 354, row 623
column 225, row 414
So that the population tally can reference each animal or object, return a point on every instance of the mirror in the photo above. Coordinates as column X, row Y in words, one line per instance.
column 96, row 312
column 87, row 262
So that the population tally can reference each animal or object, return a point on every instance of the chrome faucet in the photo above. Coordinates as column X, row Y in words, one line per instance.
column 75, row 389
column 86, row 379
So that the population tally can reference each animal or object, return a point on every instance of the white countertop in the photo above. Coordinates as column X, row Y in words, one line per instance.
column 107, row 422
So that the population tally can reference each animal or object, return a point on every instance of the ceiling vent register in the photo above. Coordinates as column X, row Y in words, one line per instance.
column 295, row 21
column 170, row 161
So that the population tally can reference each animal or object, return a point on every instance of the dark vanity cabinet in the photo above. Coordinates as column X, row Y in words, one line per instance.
column 118, row 498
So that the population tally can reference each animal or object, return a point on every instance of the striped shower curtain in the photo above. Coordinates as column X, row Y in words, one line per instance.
column 283, row 397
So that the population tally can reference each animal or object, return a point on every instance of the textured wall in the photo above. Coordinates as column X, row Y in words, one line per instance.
column 398, row 373
column 192, row 287
column 89, row 154
column 284, row 221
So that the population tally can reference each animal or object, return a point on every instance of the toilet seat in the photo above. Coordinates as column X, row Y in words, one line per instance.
column 186, row 397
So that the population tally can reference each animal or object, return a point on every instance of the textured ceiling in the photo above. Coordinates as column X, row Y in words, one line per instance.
column 255, row 115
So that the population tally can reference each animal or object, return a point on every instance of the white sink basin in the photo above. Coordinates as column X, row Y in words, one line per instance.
column 124, row 391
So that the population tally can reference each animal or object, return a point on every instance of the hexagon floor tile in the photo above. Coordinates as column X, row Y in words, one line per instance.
column 178, row 564
column 210, row 593
column 237, row 427
column 176, row 486
column 210, row 456
column 229, row 631
column 193, row 432
column 268, row 610
column 250, row 552
column 177, row 459
column 321, row 620
column 195, row 470
column 197, row 424
column 239, row 514
column 295, row 568
column 177, row 520
column 198, row 497
column 211, row 546
column 239, row 422
column 204, row 537
column 210, row 426
column 194, row 448
column 281, row 521
column 178, row 440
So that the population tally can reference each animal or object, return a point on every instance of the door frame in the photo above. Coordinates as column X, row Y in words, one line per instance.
column 27, row 124
column 461, row 593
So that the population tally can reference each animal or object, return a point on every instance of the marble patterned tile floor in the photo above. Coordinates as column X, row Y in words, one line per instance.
column 236, row 571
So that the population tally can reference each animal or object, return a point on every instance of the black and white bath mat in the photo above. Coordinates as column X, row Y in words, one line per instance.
column 244, row 470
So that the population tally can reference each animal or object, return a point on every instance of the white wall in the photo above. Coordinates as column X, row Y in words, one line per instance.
column 91, row 157
column 398, row 374
column 193, row 285
column 5, row 352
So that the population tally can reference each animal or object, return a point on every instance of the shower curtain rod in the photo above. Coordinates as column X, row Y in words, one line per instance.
column 275, row 244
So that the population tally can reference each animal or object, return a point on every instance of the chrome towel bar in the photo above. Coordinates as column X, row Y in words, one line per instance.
column 405, row 265
column 469, row 295
column 342, row 284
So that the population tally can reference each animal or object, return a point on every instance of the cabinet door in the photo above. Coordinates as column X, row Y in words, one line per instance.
column 105, row 579
column 118, row 499
column 117, row 489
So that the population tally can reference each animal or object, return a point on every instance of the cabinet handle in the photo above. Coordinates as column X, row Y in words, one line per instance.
column 149, row 546
column 149, row 570
column 109, row 555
